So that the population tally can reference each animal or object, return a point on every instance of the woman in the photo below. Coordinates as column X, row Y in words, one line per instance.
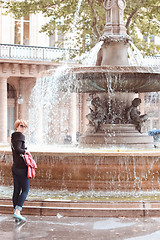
column 19, row 168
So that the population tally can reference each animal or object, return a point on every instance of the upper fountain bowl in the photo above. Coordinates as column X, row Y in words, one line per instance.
column 111, row 78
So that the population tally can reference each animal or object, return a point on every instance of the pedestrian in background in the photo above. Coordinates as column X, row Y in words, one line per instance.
column 67, row 138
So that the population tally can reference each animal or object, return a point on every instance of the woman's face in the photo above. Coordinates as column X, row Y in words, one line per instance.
column 21, row 128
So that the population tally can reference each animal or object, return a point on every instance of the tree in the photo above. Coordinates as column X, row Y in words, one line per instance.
column 143, row 15
column 89, row 25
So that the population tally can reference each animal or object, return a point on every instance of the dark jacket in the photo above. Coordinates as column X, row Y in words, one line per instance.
column 18, row 147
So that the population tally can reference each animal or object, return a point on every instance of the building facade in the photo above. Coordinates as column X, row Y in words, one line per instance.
column 24, row 54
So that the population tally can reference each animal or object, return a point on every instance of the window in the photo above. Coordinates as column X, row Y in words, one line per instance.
column 10, row 91
column 21, row 29
column 152, row 98
column 11, row 99
column 57, row 37
column 52, row 41
column 155, row 124
column 56, row 40
column 10, row 120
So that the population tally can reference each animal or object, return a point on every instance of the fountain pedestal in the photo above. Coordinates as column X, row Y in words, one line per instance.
column 114, row 52
column 115, row 136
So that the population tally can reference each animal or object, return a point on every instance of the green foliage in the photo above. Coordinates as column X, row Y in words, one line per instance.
column 139, row 14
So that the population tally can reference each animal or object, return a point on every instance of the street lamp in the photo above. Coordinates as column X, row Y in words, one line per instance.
column 20, row 99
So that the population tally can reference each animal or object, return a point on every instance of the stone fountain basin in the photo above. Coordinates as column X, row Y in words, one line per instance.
column 94, row 170
column 111, row 78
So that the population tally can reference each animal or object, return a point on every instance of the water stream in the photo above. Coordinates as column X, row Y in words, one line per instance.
column 46, row 109
column 135, row 56
column 76, row 15
column 35, row 194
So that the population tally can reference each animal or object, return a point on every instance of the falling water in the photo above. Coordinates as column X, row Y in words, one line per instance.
column 76, row 15
column 135, row 56
column 46, row 104
column 90, row 57
column 70, row 38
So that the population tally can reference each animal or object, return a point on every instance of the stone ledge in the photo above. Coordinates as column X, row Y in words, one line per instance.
column 87, row 152
column 85, row 209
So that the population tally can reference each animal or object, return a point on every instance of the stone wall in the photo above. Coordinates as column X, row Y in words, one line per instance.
column 90, row 171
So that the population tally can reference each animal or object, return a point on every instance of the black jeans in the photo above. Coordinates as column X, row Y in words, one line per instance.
column 21, row 187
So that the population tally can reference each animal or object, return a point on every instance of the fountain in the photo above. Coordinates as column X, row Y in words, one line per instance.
column 114, row 121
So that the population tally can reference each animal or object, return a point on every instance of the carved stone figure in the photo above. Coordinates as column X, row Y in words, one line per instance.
column 97, row 116
column 101, row 112
column 133, row 115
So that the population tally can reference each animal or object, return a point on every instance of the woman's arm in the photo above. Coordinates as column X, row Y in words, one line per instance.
column 18, row 146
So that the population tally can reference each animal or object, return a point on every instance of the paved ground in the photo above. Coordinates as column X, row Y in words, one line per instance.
column 70, row 228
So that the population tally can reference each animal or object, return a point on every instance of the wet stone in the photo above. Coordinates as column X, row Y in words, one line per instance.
column 70, row 228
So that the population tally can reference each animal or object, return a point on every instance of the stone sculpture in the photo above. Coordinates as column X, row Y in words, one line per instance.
column 102, row 111
column 97, row 114
column 134, row 116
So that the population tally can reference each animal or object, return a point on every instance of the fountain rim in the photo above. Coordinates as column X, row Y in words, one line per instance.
column 94, row 78
column 118, row 69
column 105, row 69
column 96, row 153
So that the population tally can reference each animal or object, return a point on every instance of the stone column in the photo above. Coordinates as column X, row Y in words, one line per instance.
column 84, row 112
column 3, row 110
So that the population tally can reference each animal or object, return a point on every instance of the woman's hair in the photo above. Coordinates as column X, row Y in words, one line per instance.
column 20, row 122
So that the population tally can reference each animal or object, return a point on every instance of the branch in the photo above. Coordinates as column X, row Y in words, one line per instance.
column 94, row 17
column 130, row 18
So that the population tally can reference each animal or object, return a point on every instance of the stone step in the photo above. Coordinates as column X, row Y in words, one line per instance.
column 85, row 209
column 117, row 139
column 116, row 135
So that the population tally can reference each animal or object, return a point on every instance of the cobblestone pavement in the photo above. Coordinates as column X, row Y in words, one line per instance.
column 70, row 228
